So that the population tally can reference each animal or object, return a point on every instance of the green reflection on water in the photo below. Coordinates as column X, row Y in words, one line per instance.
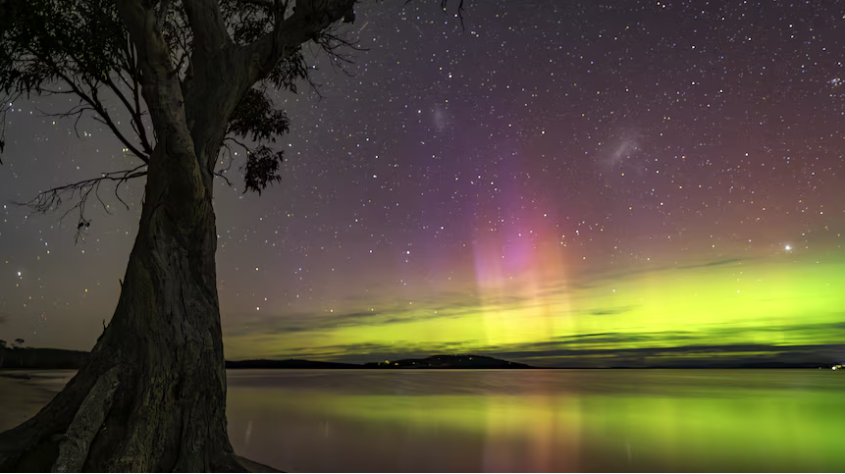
column 559, row 421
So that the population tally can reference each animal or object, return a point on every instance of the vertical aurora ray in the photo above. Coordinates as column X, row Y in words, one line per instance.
column 516, row 258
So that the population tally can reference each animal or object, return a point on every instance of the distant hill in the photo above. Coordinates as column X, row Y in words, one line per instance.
column 433, row 362
column 449, row 362
column 288, row 364
column 56, row 359
column 37, row 358
column 60, row 359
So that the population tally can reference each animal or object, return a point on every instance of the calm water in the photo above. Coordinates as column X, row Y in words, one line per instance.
column 562, row 420
column 554, row 420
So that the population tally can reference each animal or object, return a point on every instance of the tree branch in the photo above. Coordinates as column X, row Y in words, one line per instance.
column 53, row 198
column 221, row 173
column 160, row 83
column 309, row 19
column 5, row 106
column 334, row 45
column 152, row 54
column 207, row 25
column 137, row 116
column 93, row 99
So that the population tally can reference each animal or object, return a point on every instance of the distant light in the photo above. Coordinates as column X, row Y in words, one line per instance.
column 788, row 248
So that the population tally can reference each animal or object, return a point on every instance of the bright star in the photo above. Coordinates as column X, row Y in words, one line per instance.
column 788, row 248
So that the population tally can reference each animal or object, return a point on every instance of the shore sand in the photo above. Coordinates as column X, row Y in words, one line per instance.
column 21, row 398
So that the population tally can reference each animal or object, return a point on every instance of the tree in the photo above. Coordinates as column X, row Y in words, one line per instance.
column 192, row 76
column 19, row 342
column 2, row 344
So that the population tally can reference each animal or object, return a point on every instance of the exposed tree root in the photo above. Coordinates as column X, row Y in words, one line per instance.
column 73, row 450
column 252, row 466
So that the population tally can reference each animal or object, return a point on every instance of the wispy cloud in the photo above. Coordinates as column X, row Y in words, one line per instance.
column 599, row 276
column 609, row 311
column 372, row 352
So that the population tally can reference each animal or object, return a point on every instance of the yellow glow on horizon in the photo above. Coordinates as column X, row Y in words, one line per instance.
column 776, row 301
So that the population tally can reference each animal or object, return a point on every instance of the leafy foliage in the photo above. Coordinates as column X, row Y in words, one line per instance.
column 47, row 41
column 247, row 20
column 288, row 72
column 262, row 168
column 76, row 47
column 82, row 48
column 255, row 117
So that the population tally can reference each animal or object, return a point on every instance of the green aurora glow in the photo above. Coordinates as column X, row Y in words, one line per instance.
column 693, row 311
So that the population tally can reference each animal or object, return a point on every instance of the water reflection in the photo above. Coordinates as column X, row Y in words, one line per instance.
column 539, row 420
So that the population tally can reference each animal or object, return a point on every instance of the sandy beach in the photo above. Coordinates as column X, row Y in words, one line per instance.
column 24, row 393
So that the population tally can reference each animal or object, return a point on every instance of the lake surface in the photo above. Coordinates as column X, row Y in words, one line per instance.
column 549, row 420
column 540, row 420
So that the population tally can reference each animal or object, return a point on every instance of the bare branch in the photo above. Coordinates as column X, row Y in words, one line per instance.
column 237, row 142
column 221, row 173
column 136, row 113
column 6, row 105
column 80, row 191
column 76, row 111
column 92, row 98
column 339, row 50
column 444, row 4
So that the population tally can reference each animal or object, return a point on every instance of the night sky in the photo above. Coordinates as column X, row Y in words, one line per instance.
column 559, row 183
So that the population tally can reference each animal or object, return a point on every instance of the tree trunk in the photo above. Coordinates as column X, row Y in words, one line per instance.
column 152, row 396
column 163, row 405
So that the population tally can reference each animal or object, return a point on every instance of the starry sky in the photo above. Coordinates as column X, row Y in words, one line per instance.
column 559, row 183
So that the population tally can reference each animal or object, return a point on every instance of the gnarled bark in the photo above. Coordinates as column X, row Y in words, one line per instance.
column 73, row 450
column 163, row 349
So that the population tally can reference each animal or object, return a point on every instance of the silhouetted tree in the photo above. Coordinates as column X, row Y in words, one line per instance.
column 192, row 77
column 19, row 342
column 2, row 344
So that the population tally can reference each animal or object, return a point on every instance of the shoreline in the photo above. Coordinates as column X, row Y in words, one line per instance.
column 24, row 397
